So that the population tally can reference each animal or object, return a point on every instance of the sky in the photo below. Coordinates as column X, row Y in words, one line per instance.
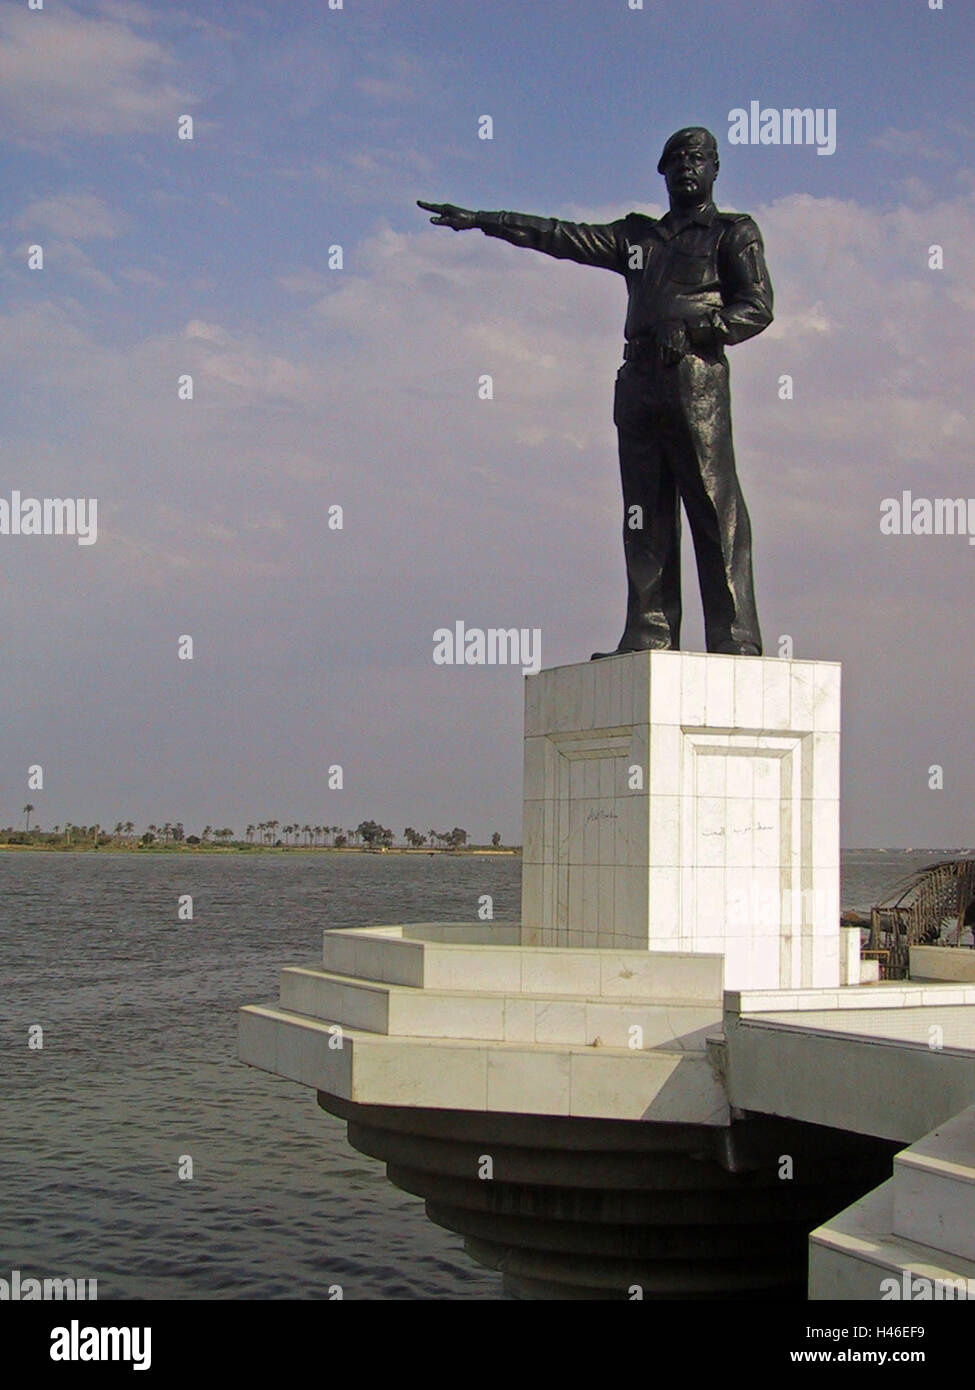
column 316, row 387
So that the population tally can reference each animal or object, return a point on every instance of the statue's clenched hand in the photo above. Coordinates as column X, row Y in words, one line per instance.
column 460, row 219
column 673, row 342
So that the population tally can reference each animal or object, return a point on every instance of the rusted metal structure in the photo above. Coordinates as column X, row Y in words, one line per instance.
column 914, row 913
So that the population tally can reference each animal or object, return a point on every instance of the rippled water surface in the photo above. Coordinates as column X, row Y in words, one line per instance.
column 139, row 1067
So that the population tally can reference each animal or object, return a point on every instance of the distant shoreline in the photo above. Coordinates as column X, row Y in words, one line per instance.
column 171, row 848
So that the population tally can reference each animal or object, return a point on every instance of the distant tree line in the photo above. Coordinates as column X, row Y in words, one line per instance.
column 368, row 834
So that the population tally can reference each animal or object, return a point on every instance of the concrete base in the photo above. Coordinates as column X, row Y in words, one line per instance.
column 943, row 963
column 582, row 1209
column 566, row 1111
column 676, row 801
column 914, row 1237
column 578, row 1096
column 437, row 1017
column 856, row 1257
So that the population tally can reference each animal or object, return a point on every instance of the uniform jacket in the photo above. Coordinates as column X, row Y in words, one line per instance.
column 706, row 270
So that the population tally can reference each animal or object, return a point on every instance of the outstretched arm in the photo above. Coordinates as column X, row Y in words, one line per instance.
column 586, row 243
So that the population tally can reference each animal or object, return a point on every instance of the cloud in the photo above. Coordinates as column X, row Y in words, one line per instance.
column 304, row 281
column 76, row 216
column 139, row 275
column 60, row 223
column 62, row 258
column 354, row 175
column 67, row 74
column 397, row 76
column 912, row 144
column 206, row 332
column 244, row 365
column 932, row 143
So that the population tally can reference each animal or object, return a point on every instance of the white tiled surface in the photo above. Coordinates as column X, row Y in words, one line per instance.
column 852, row 1254
column 934, row 1188
column 732, row 841
column 444, row 957
column 460, row 1074
column 920, row 1225
column 663, row 1004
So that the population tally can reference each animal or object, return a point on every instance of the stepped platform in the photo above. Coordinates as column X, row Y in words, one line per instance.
column 565, row 1110
column 439, row 1016
column 914, row 1237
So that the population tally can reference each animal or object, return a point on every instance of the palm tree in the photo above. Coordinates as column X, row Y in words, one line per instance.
column 250, row 833
column 28, row 808
column 129, row 827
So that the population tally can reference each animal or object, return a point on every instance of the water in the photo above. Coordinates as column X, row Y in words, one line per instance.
column 139, row 1068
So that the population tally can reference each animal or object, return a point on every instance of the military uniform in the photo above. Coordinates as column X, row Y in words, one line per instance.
column 698, row 281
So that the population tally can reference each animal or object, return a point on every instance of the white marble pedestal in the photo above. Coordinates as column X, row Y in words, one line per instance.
column 676, row 801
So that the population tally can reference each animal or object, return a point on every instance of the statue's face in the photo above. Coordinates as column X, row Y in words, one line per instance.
column 690, row 172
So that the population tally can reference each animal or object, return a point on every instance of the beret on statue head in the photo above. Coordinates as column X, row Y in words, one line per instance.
column 691, row 134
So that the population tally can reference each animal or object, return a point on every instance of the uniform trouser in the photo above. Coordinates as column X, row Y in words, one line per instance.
column 674, row 427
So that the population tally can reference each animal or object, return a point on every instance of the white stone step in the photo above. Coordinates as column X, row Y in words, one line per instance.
column 407, row 1011
column 934, row 1188
column 462, row 1074
column 856, row 1255
column 396, row 955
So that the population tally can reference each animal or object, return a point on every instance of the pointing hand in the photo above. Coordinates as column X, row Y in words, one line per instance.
column 460, row 219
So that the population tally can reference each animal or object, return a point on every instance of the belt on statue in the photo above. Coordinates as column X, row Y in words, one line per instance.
column 640, row 348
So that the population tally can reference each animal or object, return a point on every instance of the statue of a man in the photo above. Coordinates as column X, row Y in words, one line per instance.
column 697, row 284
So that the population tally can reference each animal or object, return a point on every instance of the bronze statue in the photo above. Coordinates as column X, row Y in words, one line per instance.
column 697, row 283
